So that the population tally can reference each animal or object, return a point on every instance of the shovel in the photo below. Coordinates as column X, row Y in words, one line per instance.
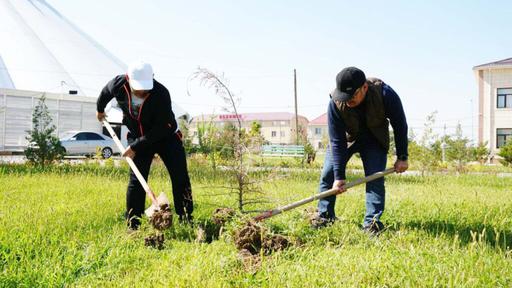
column 274, row 212
column 162, row 198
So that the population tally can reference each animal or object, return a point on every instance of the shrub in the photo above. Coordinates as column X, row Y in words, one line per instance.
column 506, row 153
column 43, row 147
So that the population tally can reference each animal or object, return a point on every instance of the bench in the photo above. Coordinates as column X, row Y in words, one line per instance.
column 282, row 151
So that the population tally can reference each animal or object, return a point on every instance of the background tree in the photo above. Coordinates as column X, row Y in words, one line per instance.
column 506, row 153
column 480, row 152
column 187, row 138
column 254, row 137
column 422, row 151
column 458, row 149
column 207, row 135
column 43, row 146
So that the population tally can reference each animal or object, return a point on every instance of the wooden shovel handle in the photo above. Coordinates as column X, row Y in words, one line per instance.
column 131, row 163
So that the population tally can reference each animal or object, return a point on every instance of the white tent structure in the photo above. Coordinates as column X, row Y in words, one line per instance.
column 41, row 52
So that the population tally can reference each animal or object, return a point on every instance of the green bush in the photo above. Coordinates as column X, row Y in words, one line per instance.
column 506, row 153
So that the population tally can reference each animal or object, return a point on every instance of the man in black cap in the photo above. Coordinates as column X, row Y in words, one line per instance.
column 358, row 116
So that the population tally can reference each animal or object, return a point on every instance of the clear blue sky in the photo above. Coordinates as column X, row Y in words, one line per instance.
column 424, row 49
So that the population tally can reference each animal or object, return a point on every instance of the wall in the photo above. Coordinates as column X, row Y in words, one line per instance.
column 68, row 113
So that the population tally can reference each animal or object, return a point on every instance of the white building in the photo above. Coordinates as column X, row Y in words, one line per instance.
column 495, row 103
column 318, row 135
column 68, row 113
column 42, row 52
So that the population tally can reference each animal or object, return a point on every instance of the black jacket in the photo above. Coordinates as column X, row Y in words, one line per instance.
column 156, row 118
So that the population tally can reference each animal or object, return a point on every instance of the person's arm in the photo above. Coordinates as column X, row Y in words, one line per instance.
column 338, row 140
column 164, row 123
column 106, row 95
column 396, row 115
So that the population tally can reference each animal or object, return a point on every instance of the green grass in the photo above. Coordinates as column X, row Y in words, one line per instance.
column 64, row 227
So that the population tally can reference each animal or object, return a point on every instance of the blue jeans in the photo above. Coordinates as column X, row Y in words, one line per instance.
column 374, row 159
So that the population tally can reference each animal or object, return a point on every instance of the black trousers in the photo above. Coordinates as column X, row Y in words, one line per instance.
column 172, row 153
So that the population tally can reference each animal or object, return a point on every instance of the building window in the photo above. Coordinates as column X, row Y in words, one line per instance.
column 283, row 123
column 318, row 131
column 282, row 133
column 504, row 98
column 274, row 133
column 502, row 136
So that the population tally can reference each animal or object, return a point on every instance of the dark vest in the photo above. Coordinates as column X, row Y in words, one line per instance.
column 376, row 120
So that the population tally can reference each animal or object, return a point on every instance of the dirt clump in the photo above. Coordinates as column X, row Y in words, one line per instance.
column 254, row 238
column 250, row 237
column 162, row 219
column 275, row 242
column 222, row 215
column 155, row 241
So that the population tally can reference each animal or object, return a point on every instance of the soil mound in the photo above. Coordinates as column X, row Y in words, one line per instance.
column 275, row 243
column 250, row 237
column 254, row 238
column 162, row 219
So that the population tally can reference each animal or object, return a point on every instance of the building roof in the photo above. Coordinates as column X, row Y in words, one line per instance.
column 505, row 63
column 263, row 116
column 41, row 50
column 320, row 120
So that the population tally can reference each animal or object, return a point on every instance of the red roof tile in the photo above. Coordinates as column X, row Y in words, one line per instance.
column 320, row 120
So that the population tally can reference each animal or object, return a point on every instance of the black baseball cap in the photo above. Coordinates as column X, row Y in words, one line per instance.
column 347, row 82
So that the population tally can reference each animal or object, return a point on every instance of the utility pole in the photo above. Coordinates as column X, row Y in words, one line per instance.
column 443, row 145
column 296, row 113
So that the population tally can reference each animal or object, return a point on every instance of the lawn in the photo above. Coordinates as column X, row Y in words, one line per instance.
column 64, row 227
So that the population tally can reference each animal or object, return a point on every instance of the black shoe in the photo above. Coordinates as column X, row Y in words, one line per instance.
column 374, row 228
column 186, row 219
column 318, row 222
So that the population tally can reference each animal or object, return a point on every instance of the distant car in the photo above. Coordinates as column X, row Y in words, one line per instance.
column 87, row 143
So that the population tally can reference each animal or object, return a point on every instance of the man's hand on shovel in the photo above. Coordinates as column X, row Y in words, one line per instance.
column 129, row 152
column 401, row 166
column 340, row 185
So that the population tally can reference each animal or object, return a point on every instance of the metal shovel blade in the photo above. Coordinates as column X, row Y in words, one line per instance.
column 162, row 199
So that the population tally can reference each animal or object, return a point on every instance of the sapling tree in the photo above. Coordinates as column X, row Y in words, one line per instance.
column 43, row 147
column 248, row 191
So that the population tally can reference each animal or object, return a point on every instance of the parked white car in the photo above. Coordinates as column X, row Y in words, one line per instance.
column 87, row 143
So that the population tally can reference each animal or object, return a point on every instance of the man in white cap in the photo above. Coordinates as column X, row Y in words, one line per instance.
column 147, row 112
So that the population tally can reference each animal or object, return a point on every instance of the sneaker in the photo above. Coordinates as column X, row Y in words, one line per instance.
column 319, row 222
column 374, row 228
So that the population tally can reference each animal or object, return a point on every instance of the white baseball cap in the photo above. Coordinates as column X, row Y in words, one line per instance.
column 140, row 75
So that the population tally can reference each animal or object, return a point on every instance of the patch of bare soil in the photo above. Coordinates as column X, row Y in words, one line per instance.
column 155, row 241
column 162, row 219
